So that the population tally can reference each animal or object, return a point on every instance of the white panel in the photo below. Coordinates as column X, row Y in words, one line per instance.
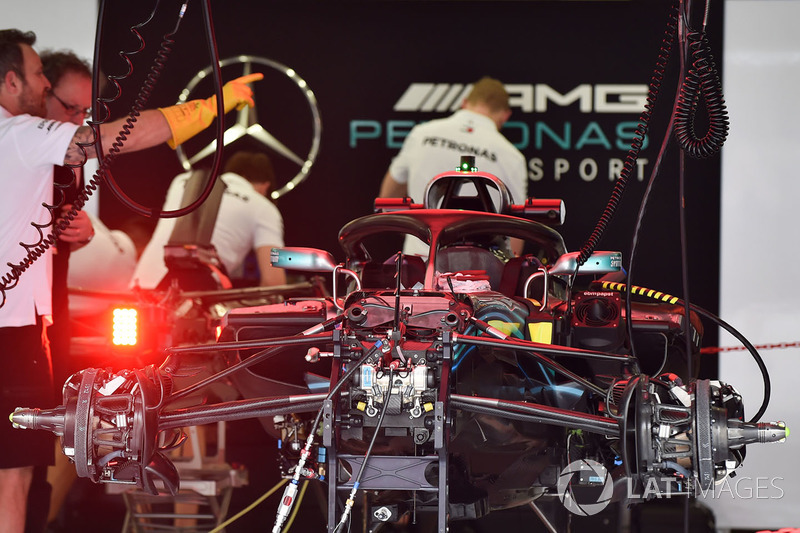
column 760, row 250
column 57, row 23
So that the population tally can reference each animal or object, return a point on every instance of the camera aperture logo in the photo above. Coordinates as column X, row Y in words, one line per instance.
column 579, row 484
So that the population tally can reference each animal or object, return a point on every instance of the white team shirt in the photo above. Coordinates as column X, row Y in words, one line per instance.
column 29, row 147
column 437, row 146
column 246, row 221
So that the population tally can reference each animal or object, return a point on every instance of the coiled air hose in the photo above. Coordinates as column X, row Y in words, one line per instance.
column 637, row 142
column 703, row 81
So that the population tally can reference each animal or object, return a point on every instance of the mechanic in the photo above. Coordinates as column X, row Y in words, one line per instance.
column 436, row 146
column 69, row 100
column 29, row 147
column 247, row 220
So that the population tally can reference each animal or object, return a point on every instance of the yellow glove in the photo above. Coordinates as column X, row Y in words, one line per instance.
column 187, row 120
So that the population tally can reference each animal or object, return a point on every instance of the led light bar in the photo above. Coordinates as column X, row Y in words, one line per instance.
column 124, row 327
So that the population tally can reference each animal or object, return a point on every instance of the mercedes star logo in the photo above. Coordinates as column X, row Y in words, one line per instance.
column 247, row 125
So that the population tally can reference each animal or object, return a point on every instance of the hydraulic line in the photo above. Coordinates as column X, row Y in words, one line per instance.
column 35, row 250
column 357, row 483
column 702, row 81
column 288, row 499
column 762, row 367
column 636, row 144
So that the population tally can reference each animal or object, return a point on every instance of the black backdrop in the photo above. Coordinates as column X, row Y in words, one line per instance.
column 360, row 57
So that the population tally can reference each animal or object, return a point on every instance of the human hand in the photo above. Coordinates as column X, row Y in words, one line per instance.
column 80, row 230
column 188, row 119
column 237, row 93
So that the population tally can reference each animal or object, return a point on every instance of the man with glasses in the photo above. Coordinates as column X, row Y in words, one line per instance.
column 70, row 95
column 29, row 147
column 69, row 100
column 71, row 111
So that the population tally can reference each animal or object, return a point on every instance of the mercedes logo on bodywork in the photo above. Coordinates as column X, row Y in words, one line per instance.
column 300, row 153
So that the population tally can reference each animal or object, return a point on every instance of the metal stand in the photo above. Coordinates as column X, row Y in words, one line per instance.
column 202, row 502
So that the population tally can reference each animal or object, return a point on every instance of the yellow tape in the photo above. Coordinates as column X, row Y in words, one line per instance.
column 651, row 293
column 509, row 328
column 541, row 332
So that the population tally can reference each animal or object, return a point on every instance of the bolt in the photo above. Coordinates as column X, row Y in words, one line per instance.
column 383, row 514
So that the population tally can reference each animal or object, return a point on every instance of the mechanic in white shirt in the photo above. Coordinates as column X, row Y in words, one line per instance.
column 246, row 220
column 437, row 146
column 29, row 147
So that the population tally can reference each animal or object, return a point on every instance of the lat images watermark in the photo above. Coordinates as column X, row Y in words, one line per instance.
column 585, row 488
column 581, row 474
column 740, row 487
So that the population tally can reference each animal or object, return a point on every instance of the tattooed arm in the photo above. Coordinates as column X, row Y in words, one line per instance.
column 150, row 129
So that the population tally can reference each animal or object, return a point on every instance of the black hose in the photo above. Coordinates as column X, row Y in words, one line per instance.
column 703, row 81
column 762, row 367
column 104, row 171
column 643, row 208
column 142, row 98
column 637, row 143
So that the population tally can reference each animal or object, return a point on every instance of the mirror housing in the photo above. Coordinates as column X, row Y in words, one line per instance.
column 598, row 263
column 306, row 259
